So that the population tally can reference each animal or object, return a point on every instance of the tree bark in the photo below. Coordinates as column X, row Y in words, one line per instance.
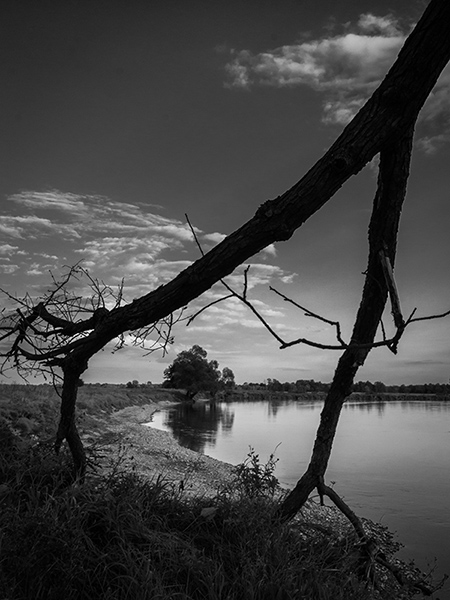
column 391, row 191
column 67, row 428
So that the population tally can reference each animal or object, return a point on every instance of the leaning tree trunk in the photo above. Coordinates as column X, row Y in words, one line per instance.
column 67, row 429
column 391, row 191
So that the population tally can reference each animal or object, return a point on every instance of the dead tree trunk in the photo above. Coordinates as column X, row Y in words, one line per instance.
column 67, row 428
column 391, row 191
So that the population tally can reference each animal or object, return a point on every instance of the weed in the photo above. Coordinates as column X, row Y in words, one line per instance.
column 255, row 479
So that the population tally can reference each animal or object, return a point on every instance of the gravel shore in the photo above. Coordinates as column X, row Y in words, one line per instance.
column 151, row 452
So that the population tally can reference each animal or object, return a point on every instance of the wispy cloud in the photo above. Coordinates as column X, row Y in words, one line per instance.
column 34, row 227
column 67, row 202
column 114, row 240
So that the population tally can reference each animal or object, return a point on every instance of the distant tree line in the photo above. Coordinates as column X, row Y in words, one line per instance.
column 378, row 387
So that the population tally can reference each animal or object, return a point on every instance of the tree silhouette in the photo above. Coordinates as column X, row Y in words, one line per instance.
column 192, row 372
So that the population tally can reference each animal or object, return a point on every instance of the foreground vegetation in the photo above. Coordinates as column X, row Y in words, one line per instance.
column 119, row 536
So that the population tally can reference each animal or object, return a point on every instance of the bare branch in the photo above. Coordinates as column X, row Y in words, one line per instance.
column 392, row 288
column 309, row 313
column 199, row 312
column 194, row 235
column 391, row 343
column 429, row 317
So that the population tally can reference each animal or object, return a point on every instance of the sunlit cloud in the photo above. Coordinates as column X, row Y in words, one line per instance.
column 258, row 274
column 34, row 227
column 94, row 214
column 67, row 202
column 9, row 269
column 7, row 249
column 346, row 67
column 216, row 237
column 270, row 250
column 9, row 229
column 34, row 271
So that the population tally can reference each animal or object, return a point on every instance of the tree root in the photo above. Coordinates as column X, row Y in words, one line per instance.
column 371, row 555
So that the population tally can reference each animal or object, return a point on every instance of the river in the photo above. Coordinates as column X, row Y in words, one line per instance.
column 390, row 460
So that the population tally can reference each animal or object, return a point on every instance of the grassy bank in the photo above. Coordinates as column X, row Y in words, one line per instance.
column 123, row 536
column 34, row 409
column 120, row 537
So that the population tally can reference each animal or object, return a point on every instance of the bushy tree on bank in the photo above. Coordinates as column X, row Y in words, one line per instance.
column 192, row 372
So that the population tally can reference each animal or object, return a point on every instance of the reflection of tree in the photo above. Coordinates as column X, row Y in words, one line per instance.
column 274, row 404
column 378, row 405
column 227, row 420
column 381, row 408
column 195, row 424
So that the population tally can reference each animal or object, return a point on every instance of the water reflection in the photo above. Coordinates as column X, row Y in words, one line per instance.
column 378, row 407
column 195, row 424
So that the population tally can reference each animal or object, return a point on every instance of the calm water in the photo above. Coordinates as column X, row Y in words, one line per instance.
column 390, row 461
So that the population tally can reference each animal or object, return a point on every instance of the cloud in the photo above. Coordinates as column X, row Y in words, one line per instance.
column 216, row 237
column 231, row 315
column 34, row 227
column 74, row 215
column 9, row 269
column 9, row 229
column 115, row 241
column 434, row 126
column 431, row 144
column 258, row 274
column 345, row 67
column 7, row 249
column 70, row 203
column 269, row 250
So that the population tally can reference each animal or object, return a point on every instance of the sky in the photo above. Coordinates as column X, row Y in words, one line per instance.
column 120, row 117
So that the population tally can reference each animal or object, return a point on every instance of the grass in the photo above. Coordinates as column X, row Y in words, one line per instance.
column 118, row 536
column 34, row 409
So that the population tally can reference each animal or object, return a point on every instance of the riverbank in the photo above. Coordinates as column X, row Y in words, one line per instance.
column 139, row 520
column 122, row 436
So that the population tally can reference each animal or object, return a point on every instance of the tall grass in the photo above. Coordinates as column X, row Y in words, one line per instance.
column 119, row 536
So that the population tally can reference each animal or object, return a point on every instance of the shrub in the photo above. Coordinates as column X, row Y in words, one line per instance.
column 256, row 479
